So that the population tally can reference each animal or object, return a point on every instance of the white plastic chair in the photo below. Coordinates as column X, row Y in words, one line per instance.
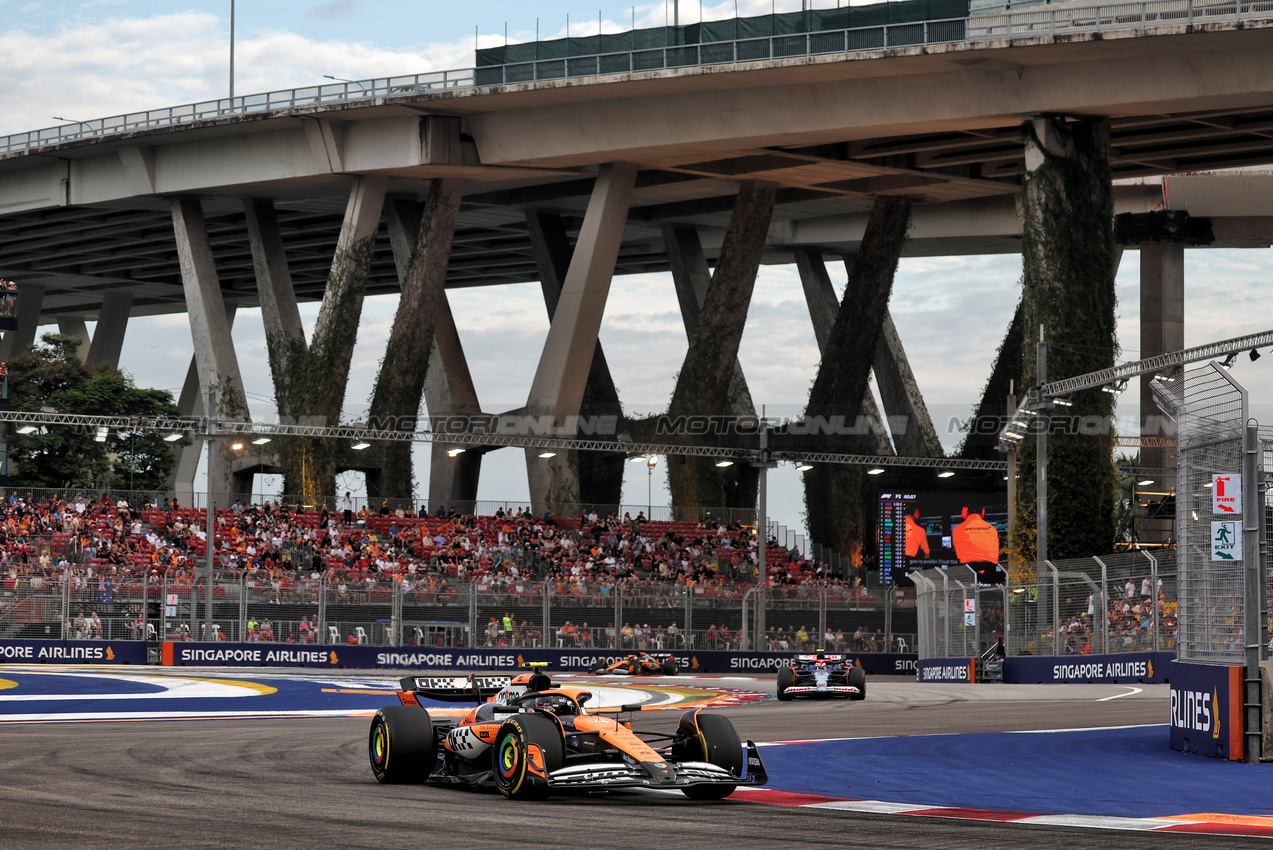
column 362, row 634
column 333, row 634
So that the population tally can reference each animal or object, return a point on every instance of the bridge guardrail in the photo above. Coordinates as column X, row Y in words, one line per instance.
column 1034, row 21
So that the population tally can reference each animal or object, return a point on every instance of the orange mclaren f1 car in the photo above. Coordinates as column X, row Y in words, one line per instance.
column 530, row 739
column 638, row 663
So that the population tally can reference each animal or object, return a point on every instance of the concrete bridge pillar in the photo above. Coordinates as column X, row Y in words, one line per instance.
column 833, row 492
column 214, row 354
column 395, row 402
column 600, row 474
column 562, row 375
column 30, row 305
column 75, row 327
column 1162, row 329
column 703, row 386
column 691, row 276
column 448, row 387
column 1068, row 260
column 112, row 323
column 315, row 377
column 819, row 294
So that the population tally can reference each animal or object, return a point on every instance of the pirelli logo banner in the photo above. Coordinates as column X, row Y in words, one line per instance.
column 1206, row 710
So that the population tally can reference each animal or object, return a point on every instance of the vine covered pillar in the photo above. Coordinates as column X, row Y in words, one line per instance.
column 448, row 385
column 819, row 295
column 691, row 277
column 834, row 492
column 711, row 362
column 395, row 402
column 561, row 379
column 317, row 377
column 1068, row 259
column 600, row 474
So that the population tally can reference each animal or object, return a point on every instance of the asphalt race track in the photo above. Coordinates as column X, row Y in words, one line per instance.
column 291, row 781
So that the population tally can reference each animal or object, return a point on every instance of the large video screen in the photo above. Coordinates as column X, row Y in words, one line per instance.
column 915, row 531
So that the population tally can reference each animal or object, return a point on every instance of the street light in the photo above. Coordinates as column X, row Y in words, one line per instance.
column 651, row 461
column 358, row 83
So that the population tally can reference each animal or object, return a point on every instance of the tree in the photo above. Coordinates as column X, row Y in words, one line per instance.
column 50, row 374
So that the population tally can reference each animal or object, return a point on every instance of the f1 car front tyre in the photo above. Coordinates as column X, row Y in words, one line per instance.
column 402, row 746
column 521, row 772
column 670, row 667
column 786, row 678
column 634, row 668
column 857, row 679
column 599, row 668
column 718, row 744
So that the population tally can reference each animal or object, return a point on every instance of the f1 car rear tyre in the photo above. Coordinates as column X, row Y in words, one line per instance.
column 634, row 668
column 512, row 765
column 786, row 678
column 719, row 745
column 670, row 667
column 402, row 746
column 857, row 679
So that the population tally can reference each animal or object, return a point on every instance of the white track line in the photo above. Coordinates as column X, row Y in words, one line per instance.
column 1130, row 692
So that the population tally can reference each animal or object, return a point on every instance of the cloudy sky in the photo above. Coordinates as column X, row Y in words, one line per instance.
column 83, row 60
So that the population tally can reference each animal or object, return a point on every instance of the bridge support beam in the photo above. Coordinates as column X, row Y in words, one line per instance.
column 395, row 402
column 711, row 362
column 30, row 305
column 562, row 375
column 284, row 334
column 448, row 386
column 112, row 324
column 691, row 276
column 819, row 295
column 1162, row 329
column 834, row 492
column 1068, row 259
column 214, row 354
column 317, row 377
column 600, row 474
column 76, row 327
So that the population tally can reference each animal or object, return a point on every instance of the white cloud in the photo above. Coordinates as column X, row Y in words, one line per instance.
column 87, row 70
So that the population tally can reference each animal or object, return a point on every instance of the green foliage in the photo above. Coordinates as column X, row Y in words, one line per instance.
column 50, row 374
column 1068, row 262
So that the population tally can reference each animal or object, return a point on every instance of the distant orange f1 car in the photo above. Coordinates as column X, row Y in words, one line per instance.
column 531, row 739
column 638, row 663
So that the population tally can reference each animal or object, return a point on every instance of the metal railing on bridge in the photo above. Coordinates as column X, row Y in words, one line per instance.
column 1035, row 21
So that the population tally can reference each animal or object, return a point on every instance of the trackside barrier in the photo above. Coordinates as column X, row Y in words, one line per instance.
column 1206, row 710
column 962, row 669
column 1123, row 668
column 72, row 651
column 425, row 658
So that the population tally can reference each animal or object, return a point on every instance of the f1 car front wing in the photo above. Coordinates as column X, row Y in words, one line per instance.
column 683, row 774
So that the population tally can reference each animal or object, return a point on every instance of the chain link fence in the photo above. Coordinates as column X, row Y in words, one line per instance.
column 1126, row 602
column 441, row 611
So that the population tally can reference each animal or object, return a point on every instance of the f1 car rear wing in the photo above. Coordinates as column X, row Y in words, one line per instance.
column 456, row 688
column 820, row 657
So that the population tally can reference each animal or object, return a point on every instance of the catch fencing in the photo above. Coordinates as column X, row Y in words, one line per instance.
column 1127, row 602
column 439, row 611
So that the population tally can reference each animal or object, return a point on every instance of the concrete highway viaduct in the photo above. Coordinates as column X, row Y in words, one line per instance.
column 704, row 171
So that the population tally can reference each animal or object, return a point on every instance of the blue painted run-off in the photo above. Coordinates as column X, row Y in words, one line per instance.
column 1120, row 772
